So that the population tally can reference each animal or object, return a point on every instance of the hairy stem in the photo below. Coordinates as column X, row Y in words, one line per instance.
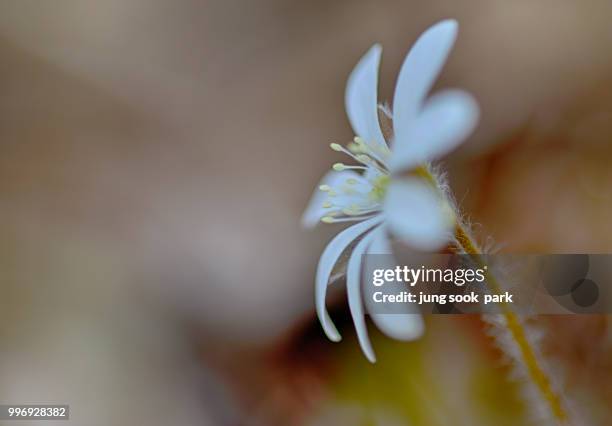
column 527, row 352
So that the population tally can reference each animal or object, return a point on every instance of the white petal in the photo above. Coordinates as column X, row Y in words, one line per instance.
column 353, row 290
column 315, row 211
column 405, row 327
column 416, row 214
column 328, row 259
column 381, row 243
column 361, row 97
column 447, row 119
column 419, row 71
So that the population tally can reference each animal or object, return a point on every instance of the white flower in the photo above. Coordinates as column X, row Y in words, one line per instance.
column 382, row 193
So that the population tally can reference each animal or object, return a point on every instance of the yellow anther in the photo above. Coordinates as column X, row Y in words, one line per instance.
column 327, row 205
column 338, row 167
column 325, row 188
column 335, row 146
column 358, row 140
column 327, row 219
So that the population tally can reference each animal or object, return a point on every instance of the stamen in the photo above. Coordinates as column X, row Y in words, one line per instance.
column 375, row 209
column 341, row 166
column 351, row 210
column 369, row 161
column 379, row 153
column 340, row 148
column 325, row 188
column 363, row 158
column 329, row 219
column 356, row 210
column 355, row 148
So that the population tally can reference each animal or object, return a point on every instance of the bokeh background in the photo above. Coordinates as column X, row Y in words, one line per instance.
column 155, row 158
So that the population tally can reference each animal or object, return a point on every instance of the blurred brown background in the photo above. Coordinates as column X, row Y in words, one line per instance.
column 156, row 157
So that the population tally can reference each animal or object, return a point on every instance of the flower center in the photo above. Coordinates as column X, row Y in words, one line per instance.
column 360, row 195
column 379, row 188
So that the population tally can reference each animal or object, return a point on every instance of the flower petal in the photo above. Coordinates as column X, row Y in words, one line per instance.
column 416, row 214
column 418, row 73
column 448, row 117
column 353, row 290
column 328, row 259
column 399, row 326
column 315, row 211
column 361, row 98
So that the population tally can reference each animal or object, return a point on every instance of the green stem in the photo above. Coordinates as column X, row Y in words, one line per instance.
column 527, row 352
